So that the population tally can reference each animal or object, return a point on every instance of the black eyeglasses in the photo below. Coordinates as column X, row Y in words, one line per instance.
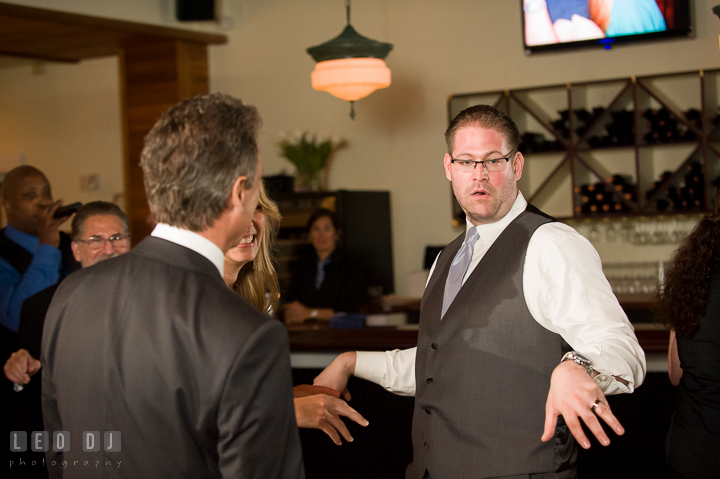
column 496, row 164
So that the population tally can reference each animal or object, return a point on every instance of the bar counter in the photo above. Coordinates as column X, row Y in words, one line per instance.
column 319, row 337
column 653, row 338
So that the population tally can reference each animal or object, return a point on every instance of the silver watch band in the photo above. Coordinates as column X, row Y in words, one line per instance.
column 578, row 358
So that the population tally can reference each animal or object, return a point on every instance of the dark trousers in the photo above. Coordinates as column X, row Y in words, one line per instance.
column 674, row 474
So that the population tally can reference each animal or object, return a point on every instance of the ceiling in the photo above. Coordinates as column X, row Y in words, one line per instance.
column 39, row 34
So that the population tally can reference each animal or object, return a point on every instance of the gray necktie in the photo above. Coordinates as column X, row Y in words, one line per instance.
column 458, row 268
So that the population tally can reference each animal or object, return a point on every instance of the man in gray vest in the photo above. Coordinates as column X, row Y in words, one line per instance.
column 518, row 326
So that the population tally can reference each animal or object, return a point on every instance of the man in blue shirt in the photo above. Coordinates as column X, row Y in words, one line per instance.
column 34, row 254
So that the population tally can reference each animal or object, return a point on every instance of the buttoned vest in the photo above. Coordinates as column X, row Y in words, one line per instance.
column 483, row 372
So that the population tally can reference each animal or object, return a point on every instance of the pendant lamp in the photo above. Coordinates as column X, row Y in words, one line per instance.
column 350, row 66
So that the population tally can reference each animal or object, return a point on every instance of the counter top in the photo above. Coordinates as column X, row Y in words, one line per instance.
column 319, row 337
column 324, row 338
column 653, row 338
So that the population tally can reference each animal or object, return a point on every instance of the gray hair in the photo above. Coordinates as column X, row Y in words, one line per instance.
column 194, row 154
column 96, row 208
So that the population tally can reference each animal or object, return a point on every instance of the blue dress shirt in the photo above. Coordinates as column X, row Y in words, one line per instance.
column 44, row 271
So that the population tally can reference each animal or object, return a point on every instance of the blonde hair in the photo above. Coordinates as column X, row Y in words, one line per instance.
column 258, row 277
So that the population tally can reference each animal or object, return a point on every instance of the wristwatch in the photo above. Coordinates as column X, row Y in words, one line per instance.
column 314, row 313
column 578, row 358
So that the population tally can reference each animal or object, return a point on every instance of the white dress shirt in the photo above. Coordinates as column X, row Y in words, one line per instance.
column 565, row 291
column 193, row 241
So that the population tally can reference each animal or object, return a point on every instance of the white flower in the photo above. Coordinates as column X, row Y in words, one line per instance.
column 296, row 137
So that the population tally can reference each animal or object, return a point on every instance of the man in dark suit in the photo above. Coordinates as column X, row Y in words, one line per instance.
column 99, row 232
column 149, row 357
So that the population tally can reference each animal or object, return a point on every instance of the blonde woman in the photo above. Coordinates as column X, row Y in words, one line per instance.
column 248, row 267
column 249, row 271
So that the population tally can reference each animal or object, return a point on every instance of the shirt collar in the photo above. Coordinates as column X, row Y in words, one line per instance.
column 191, row 240
column 28, row 242
column 490, row 231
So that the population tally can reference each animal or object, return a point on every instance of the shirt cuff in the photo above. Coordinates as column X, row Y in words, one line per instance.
column 632, row 369
column 393, row 370
column 609, row 385
column 370, row 365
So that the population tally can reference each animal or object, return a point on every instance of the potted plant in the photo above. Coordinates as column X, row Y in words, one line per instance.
column 309, row 153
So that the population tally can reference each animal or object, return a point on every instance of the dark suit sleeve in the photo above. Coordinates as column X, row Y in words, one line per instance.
column 51, row 419
column 256, row 416
column 32, row 319
column 50, row 410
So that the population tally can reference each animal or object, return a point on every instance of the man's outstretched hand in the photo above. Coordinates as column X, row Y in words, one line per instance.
column 572, row 395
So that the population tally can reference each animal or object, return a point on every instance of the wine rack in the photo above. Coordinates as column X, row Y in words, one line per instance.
column 626, row 146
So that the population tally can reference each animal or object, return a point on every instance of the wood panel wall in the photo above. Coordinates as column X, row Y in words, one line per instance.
column 153, row 77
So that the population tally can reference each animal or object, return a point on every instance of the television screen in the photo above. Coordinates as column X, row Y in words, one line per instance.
column 557, row 24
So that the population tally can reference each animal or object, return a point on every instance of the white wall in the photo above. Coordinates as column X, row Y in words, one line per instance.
column 65, row 120
column 395, row 141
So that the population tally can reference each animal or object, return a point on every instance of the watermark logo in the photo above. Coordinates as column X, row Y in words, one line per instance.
column 90, row 444
column 40, row 441
column 111, row 441
column 18, row 441
column 61, row 441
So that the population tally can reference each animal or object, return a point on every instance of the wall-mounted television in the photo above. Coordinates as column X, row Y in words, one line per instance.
column 559, row 24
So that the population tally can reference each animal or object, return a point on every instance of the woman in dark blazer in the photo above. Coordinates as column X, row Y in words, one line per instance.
column 325, row 280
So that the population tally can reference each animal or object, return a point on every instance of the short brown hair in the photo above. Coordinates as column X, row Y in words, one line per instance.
column 194, row 154
column 483, row 116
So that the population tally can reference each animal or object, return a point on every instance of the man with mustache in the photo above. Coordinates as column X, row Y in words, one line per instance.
column 518, row 325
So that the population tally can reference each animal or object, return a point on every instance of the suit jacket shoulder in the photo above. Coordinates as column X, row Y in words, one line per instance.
column 153, row 344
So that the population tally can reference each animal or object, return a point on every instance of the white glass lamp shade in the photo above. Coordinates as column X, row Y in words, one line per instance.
column 350, row 78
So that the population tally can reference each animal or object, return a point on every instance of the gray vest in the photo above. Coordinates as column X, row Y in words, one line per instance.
column 483, row 372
